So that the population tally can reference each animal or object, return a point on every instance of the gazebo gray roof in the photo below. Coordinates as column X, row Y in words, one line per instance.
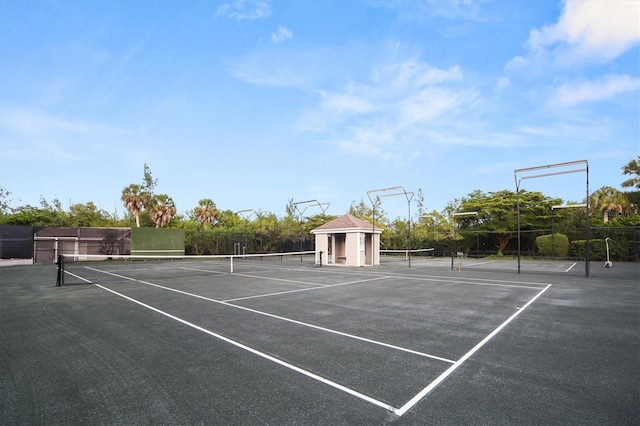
column 344, row 223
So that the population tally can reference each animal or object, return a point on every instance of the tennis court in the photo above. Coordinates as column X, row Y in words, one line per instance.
column 282, row 341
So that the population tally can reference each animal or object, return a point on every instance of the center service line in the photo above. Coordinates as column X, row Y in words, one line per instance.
column 258, row 353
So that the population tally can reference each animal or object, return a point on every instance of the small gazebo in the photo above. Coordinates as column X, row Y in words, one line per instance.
column 349, row 241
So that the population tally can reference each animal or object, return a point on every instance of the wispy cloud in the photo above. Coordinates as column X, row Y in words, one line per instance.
column 587, row 31
column 390, row 116
column 245, row 9
column 31, row 131
column 593, row 91
column 34, row 121
column 281, row 34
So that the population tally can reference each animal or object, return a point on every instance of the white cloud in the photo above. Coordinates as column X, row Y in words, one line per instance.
column 281, row 34
column 432, row 103
column 590, row 30
column 245, row 9
column 593, row 91
column 32, row 121
column 392, row 114
column 346, row 103
column 503, row 83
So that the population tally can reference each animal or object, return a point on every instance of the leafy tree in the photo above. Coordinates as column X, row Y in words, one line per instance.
column 228, row 219
column 161, row 210
column 206, row 213
column 632, row 168
column 497, row 213
column 365, row 211
column 87, row 214
column 48, row 214
column 312, row 222
column 5, row 201
column 431, row 228
column 149, row 182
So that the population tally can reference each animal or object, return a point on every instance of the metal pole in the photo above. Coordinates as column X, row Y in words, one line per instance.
column 586, row 266
column 568, row 164
column 518, row 209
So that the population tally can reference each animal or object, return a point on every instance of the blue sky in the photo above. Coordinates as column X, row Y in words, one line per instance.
column 254, row 103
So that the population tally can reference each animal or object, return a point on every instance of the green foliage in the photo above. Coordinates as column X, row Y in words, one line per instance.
column 365, row 211
column 632, row 168
column 597, row 250
column 553, row 245
column 5, row 201
column 498, row 213
column 88, row 215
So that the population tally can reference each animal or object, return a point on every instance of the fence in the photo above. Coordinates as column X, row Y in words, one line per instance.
column 624, row 243
column 48, row 243
column 222, row 241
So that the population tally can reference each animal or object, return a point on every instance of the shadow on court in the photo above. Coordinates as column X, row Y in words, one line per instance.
column 292, row 344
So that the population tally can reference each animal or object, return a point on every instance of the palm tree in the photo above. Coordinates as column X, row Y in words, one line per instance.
column 206, row 213
column 632, row 168
column 608, row 200
column 135, row 200
column 162, row 210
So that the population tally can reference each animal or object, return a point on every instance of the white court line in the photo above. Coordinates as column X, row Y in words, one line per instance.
column 278, row 317
column 398, row 411
column 254, row 276
column 571, row 267
column 462, row 280
column 78, row 277
column 260, row 354
column 424, row 392
column 475, row 281
column 323, row 286
column 466, row 265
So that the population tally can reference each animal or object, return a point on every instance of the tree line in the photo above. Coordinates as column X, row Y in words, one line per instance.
column 493, row 222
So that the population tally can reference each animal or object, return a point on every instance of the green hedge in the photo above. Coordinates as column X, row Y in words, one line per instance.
column 553, row 245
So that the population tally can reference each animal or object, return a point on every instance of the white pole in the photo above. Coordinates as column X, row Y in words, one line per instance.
column 232, row 264
column 608, row 263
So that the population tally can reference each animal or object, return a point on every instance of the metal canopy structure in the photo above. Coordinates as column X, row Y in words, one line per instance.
column 574, row 167
column 391, row 192
column 307, row 204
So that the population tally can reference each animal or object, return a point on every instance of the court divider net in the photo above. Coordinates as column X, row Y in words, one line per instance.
column 88, row 269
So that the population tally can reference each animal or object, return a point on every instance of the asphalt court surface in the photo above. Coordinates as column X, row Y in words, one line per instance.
column 290, row 343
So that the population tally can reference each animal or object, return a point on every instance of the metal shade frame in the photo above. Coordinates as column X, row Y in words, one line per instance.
column 524, row 174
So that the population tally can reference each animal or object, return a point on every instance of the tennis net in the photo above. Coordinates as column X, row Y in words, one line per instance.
column 89, row 269
column 403, row 255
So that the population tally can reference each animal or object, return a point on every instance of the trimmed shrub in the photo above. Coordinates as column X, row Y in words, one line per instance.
column 553, row 245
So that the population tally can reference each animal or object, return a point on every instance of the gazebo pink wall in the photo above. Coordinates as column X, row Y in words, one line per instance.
column 348, row 241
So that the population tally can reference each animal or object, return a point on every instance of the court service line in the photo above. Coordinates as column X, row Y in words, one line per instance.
column 259, row 353
column 323, row 286
column 253, row 276
column 474, row 281
column 278, row 317
column 487, row 284
column 424, row 392
column 571, row 267
column 466, row 265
